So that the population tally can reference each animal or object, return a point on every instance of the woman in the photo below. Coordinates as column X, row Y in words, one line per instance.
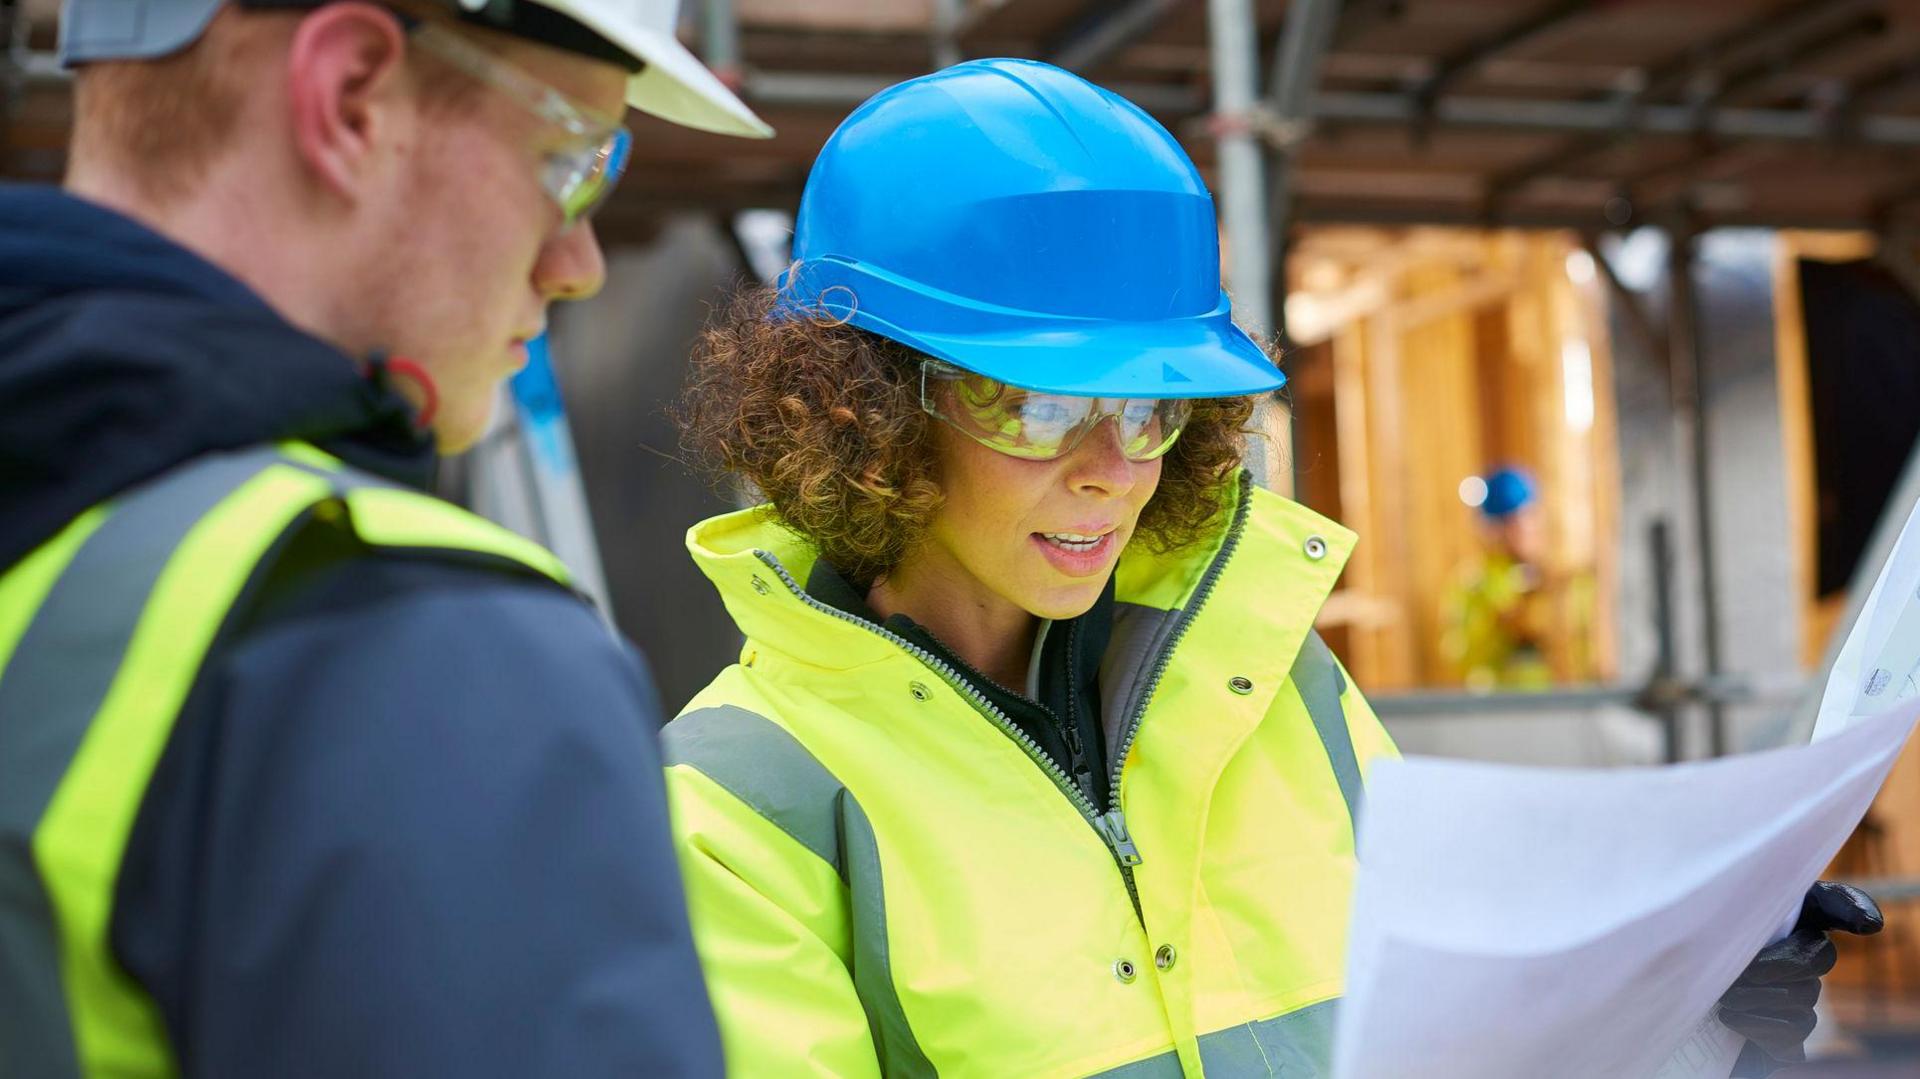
column 1032, row 764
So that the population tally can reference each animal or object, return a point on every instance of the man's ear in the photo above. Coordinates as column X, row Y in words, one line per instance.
column 348, row 91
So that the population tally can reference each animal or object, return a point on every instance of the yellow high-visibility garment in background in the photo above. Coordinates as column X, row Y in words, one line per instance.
column 104, row 630
column 886, row 879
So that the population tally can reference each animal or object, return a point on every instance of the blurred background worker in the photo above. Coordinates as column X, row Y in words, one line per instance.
column 302, row 771
column 1496, row 612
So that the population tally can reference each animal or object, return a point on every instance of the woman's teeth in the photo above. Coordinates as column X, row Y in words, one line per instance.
column 1072, row 541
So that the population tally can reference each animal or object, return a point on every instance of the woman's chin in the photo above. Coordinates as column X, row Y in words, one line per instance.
column 1061, row 603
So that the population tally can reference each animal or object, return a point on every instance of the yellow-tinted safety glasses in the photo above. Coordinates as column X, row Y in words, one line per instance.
column 577, row 178
column 1043, row 426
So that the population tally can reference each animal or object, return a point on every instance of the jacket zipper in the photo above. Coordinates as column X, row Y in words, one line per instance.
column 1111, row 826
column 1165, row 657
column 1112, row 831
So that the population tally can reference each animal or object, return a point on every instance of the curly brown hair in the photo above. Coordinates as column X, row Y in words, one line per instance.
column 825, row 420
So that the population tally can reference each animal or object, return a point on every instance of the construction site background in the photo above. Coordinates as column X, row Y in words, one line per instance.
column 1659, row 255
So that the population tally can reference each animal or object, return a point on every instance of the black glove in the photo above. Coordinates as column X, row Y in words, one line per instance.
column 1771, row 1004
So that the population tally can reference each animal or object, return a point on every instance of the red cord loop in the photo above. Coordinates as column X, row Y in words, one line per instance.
column 430, row 407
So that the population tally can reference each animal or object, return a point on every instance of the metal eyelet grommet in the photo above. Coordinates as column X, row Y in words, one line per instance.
column 1315, row 547
column 1240, row 684
column 920, row 691
column 1165, row 957
column 760, row 586
column 1124, row 970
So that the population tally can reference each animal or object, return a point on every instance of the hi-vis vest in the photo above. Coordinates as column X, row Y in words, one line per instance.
column 103, row 631
column 886, row 878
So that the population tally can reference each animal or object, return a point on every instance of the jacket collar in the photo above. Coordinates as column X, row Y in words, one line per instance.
column 1284, row 560
column 123, row 354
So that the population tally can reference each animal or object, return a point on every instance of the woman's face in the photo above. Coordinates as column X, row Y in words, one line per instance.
column 1041, row 535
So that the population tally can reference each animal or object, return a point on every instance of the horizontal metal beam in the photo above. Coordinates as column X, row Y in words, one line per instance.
column 1776, row 29
column 809, row 89
column 1509, row 114
column 1414, row 212
column 1506, row 705
column 1889, row 889
column 1456, row 66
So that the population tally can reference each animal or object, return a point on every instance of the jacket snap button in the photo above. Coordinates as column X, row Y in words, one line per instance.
column 1316, row 548
column 1165, row 957
column 1123, row 970
column 759, row 585
column 920, row 691
column 1240, row 684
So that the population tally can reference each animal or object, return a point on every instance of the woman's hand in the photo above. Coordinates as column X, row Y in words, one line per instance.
column 1772, row 1002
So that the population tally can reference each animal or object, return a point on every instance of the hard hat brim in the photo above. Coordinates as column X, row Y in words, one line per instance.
column 1198, row 355
column 675, row 85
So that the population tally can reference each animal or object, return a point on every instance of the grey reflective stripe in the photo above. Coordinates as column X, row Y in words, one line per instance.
column 53, row 684
column 769, row 771
column 758, row 762
column 1317, row 675
column 1298, row 1045
column 900, row 1053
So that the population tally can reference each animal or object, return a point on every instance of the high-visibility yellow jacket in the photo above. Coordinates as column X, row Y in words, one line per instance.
column 103, row 631
column 887, row 879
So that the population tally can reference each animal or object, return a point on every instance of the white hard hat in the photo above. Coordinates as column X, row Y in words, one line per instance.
column 672, row 84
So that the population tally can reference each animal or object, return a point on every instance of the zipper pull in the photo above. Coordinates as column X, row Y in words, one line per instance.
column 1113, row 829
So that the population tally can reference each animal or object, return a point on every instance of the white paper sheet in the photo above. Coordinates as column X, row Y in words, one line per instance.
column 1514, row 923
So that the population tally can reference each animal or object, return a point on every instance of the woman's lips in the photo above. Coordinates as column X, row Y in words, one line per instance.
column 1071, row 555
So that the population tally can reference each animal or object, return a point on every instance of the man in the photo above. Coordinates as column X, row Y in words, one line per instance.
column 1498, row 609
column 303, row 772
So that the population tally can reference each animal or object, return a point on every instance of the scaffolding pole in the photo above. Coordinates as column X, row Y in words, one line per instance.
column 720, row 40
column 947, row 17
column 1233, row 36
column 1687, row 374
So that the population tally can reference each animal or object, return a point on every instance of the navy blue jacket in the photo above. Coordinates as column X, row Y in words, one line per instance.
column 410, row 822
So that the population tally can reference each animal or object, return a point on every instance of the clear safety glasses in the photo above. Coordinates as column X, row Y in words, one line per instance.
column 579, row 178
column 1043, row 426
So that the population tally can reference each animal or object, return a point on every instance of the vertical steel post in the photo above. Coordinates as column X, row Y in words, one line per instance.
column 1233, row 36
column 1666, row 664
column 720, row 40
column 946, row 32
column 1688, row 378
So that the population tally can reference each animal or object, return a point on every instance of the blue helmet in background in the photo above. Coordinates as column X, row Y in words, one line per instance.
column 1509, row 490
column 1011, row 218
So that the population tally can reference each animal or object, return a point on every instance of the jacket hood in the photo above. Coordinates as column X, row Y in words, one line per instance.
column 123, row 354
column 758, row 564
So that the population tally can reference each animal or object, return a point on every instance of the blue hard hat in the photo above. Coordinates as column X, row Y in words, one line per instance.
column 1508, row 491
column 1014, row 219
